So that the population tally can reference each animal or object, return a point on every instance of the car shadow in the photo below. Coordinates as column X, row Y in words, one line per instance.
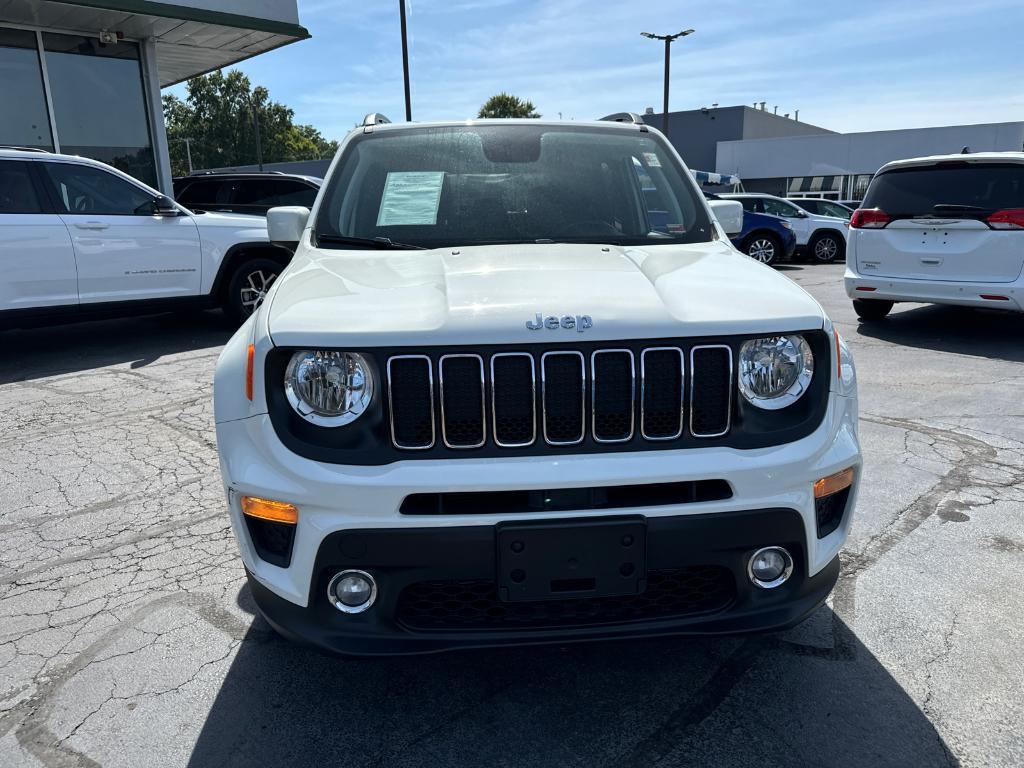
column 51, row 350
column 767, row 700
column 944, row 328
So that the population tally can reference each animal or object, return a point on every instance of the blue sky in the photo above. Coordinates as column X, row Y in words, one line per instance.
column 848, row 65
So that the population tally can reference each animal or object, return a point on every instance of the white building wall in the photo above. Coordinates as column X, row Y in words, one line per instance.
column 857, row 153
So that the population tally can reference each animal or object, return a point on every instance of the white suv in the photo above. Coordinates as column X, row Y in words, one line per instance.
column 494, row 399
column 941, row 230
column 79, row 239
column 822, row 238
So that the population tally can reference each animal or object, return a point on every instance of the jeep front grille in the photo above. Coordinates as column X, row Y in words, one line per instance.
column 607, row 395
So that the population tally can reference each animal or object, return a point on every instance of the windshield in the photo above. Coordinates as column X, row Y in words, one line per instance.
column 475, row 185
column 959, row 187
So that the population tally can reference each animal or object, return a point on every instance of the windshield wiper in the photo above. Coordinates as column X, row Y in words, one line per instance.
column 381, row 243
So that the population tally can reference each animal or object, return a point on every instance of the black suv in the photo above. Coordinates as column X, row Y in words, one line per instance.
column 254, row 193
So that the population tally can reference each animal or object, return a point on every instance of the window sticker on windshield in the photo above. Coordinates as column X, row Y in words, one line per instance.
column 410, row 197
column 651, row 159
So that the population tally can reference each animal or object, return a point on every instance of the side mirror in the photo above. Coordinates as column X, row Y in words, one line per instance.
column 164, row 206
column 729, row 214
column 285, row 225
column 802, row 215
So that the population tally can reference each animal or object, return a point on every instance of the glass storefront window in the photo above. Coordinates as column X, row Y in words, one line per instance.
column 24, row 120
column 99, row 103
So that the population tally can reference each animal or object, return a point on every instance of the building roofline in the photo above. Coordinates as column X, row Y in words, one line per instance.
column 200, row 15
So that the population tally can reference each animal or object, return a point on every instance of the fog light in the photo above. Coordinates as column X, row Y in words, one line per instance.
column 770, row 567
column 352, row 591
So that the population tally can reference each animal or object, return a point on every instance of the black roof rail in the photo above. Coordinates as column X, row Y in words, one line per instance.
column 375, row 118
column 624, row 117
column 25, row 149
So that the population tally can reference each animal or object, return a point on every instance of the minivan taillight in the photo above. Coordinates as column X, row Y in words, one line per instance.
column 869, row 218
column 1008, row 218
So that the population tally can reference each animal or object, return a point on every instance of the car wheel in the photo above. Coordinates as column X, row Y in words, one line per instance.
column 871, row 309
column 763, row 248
column 249, row 285
column 827, row 248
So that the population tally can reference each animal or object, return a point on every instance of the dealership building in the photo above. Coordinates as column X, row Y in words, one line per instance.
column 84, row 78
column 783, row 156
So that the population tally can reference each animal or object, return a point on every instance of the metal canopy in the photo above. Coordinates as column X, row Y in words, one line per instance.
column 189, row 41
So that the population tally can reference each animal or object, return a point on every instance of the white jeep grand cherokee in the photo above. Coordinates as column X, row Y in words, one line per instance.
column 491, row 402
column 79, row 239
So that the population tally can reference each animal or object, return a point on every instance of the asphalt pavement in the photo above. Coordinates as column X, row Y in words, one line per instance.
column 128, row 637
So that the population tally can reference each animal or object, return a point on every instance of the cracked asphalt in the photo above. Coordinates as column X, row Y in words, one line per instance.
column 128, row 638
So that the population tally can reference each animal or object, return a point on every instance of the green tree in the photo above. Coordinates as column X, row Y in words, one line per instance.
column 216, row 117
column 507, row 105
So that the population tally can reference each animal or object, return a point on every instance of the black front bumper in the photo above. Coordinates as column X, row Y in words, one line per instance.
column 698, row 561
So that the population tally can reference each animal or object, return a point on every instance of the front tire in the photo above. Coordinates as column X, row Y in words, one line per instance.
column 764, row 248
column 249, row 285
column 827, row 248
column 871, row 309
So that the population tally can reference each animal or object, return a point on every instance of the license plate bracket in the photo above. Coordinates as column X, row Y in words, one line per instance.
column 560, row 560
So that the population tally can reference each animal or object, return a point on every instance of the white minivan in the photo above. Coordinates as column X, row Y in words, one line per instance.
column 940, row 230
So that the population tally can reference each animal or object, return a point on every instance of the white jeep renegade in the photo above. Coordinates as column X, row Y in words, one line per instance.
column 492, row 400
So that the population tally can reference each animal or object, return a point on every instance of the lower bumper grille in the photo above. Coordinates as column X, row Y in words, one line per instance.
column 474, row 605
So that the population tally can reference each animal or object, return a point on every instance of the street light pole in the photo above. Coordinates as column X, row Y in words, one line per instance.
column 668, row 55
column 405, row 61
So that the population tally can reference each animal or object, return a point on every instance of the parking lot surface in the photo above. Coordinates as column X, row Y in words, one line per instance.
column 127, row 636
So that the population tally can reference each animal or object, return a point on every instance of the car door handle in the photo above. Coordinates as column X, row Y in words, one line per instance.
column 931, row 261
column 91, row 225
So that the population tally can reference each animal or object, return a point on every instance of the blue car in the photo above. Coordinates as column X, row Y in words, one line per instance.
column 769, row 239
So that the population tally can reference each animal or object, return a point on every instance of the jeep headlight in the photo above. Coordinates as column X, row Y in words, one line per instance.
column 775, row 372
column 329, row 389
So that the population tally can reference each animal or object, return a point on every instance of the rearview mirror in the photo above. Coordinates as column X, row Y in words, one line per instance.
column 164, row 206
column 729, row 214
column 285, row 225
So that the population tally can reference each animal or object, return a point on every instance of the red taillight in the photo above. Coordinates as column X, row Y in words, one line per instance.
column 1008, row 218
column 869, row 218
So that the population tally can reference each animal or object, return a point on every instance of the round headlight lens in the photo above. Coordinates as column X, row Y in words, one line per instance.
column 776, row 371
column 329, row 389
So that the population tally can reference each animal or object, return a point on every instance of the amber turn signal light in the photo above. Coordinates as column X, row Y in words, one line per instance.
column 265, row 509
column 826, row 486
column 249, row 360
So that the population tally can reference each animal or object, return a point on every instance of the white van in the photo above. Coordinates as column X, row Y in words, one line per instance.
column 940, row 230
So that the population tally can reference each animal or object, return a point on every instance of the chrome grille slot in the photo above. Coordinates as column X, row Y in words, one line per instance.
column 661, row 384
column 461, row 382
column 513, row 399
column 563, row 391
column 711, row 385
column 411, row 401
column 612, row 395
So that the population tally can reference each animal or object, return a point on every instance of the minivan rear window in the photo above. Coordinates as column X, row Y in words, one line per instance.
column 961, row 188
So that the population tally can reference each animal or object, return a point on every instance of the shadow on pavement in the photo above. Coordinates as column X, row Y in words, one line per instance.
column 766, row 700
column 48, row 351
column 961, row 330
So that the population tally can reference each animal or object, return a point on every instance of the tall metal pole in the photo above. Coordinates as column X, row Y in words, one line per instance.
column 188, row 152
column 668, row 56
column 405, row 61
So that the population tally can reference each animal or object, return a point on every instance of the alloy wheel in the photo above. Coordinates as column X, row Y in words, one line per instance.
column 826, row 249
column 762, row 250
column 257, row 284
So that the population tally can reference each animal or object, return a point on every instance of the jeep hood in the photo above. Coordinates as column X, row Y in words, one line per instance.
column 487, row 294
